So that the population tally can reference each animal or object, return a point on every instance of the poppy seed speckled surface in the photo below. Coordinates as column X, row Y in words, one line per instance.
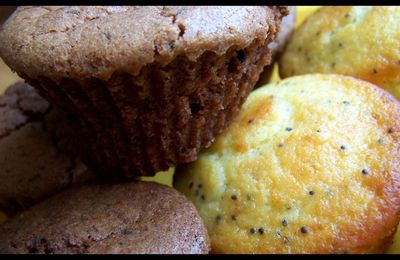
column 305, row 190
column 358, row 41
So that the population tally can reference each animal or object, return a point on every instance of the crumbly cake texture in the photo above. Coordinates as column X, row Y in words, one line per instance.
column 358, row 41
column 277, row 47
column 133, row 217
column 287, row 28
column 310, row 165
column 38, row 155
column 151, row 91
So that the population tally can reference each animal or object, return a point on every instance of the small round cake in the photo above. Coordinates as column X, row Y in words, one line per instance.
column 151, row 85
column 38, row 151
column 128, row 218
column 358, row 41
column 278, row 46
column 310, row 165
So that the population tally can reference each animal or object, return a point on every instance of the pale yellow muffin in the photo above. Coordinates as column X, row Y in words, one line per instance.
column 359, row 41
column 310, row 165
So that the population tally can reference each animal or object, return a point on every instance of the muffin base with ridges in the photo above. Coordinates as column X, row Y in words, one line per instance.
column 165, row 114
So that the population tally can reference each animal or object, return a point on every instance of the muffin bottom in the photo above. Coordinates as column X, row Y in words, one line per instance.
column 139, row 125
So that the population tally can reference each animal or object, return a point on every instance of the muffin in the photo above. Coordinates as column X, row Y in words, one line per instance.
column 133, row 217
column 38, row 155
column 310, row 165
column 277, row 46
column 359, row 41
column 151, row 85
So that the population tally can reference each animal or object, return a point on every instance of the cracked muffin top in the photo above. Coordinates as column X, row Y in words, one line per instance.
column 96, row 41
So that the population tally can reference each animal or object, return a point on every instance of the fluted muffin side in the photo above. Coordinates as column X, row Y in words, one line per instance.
column 139, row 125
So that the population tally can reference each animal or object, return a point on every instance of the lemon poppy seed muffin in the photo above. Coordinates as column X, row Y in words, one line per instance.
column 125, row 218
column 38, row 150
column 310, row 165
column 358, row 41
column 151, row 85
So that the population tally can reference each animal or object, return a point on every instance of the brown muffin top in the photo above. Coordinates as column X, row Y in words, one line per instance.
column 287, row 28
column 84, row 41
column 38, row 153
column 134, row 217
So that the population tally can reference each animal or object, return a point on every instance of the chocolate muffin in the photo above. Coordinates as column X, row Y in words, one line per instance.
column 134, row 217
column 38, row 154
column 151, row 85
column 277, row 47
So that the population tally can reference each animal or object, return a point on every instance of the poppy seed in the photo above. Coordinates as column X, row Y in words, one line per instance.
column 286, row 240
column 304, row 230
column 365, row 171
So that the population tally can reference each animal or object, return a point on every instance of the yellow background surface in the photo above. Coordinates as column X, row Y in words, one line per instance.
column 7, row 77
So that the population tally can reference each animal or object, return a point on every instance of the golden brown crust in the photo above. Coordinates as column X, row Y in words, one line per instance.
column 135, row 217
column 91, row 41
column 310, row 165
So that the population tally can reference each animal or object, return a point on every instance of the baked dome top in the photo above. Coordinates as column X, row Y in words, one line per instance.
column 95, row 41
